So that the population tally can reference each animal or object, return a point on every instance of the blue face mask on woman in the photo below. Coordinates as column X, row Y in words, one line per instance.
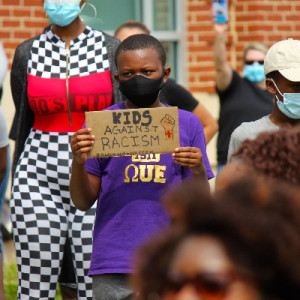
column 62, row 13
column 255, row 72
column 290, row 105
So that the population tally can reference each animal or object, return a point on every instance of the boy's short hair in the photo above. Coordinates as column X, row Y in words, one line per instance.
column 142, row 41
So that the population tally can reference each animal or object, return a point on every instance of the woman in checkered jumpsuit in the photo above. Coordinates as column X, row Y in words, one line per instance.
column 53, row 83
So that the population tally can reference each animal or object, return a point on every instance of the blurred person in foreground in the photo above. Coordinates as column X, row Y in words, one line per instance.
column 239, row 244
column 274, row 154
column 243, row 98
column 173, row 93
column 282, row 70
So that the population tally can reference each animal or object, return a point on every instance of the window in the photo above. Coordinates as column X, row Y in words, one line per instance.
column 163, row 17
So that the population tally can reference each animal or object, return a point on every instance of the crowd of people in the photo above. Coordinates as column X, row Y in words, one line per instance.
column 150, row 226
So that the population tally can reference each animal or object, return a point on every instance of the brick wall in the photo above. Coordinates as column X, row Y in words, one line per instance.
column 20, row 20
column 264, row 20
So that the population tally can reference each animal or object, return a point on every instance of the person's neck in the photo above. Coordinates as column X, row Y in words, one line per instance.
column 70, row 32
column 281, row 120
column 157, row 103
column 261, row 85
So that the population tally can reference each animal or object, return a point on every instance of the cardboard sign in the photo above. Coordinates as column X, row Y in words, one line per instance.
column 133, row 131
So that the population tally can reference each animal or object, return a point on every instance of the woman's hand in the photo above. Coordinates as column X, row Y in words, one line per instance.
column 82, row 142
column 220, row 28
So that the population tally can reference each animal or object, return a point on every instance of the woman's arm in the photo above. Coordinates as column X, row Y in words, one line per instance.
column 222, row 67
column 210, row 125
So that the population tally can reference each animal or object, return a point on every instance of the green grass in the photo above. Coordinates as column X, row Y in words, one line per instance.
column 11, row 283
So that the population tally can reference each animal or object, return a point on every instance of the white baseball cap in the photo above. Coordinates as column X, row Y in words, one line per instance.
column 284, row 57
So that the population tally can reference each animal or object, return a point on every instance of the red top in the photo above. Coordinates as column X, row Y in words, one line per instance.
column 48, row 100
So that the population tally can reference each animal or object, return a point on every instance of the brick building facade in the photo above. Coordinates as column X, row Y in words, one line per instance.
column 264, row 20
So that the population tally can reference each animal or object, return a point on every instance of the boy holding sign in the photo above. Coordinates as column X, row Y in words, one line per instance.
column 128, row 188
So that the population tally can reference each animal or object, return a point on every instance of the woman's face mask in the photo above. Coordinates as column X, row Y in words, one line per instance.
column 254, row 72
column 290, row 106
column 62, row 12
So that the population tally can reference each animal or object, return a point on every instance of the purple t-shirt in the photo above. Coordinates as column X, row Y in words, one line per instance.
column 129, row 209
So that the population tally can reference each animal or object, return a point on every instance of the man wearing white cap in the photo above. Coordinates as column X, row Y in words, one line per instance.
column 282, row 70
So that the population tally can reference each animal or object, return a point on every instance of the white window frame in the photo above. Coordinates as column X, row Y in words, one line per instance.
column 178, row 35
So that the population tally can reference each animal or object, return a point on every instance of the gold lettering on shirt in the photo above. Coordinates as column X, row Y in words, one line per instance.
column 145, row 172
column 134, row 177
column 146, row 157
column 160, row 174
column 146, row 177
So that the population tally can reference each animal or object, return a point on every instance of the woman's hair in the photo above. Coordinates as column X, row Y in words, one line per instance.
column 132, row 25
column 257, row 222
column 259, row 46
column 274, row 154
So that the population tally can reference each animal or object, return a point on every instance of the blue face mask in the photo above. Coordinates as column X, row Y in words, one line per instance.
column 62, row 13
column 255, row 72
column 290, row 105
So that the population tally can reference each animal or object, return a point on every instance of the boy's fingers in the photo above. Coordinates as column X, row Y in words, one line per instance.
column 82, row 150
column 187, row 149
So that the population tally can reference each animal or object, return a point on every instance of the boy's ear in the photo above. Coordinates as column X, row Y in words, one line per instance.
column 167, row 71
column 270, row 86
column 116, row 76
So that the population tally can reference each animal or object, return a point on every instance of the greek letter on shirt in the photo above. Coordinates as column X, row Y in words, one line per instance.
column 145, row 172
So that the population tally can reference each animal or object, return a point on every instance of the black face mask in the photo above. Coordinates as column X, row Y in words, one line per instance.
column 141, row 91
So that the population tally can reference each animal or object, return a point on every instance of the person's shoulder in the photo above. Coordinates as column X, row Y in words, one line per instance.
column 171, row 83
column 27, row 44
column 250, row 128
column 22, row 51
column 111, row 40
column 187, row 116
column 120, row 105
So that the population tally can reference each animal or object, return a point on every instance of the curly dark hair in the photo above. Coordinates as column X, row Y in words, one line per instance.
column 274, row 154
column 258, row 223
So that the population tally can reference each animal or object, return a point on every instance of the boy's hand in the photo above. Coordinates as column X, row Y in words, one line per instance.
column 190, row 157
column 82, row 142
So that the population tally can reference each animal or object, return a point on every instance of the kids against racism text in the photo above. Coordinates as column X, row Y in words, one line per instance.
column 127, row 131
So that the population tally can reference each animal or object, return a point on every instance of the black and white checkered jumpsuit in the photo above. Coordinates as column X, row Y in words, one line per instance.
column 62, row 84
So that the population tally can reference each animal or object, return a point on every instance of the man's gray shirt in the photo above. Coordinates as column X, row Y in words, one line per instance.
column 249, row 130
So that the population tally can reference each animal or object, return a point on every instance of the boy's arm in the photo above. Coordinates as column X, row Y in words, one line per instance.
column 84, row 187
column 191, row 157
column 210, row 125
